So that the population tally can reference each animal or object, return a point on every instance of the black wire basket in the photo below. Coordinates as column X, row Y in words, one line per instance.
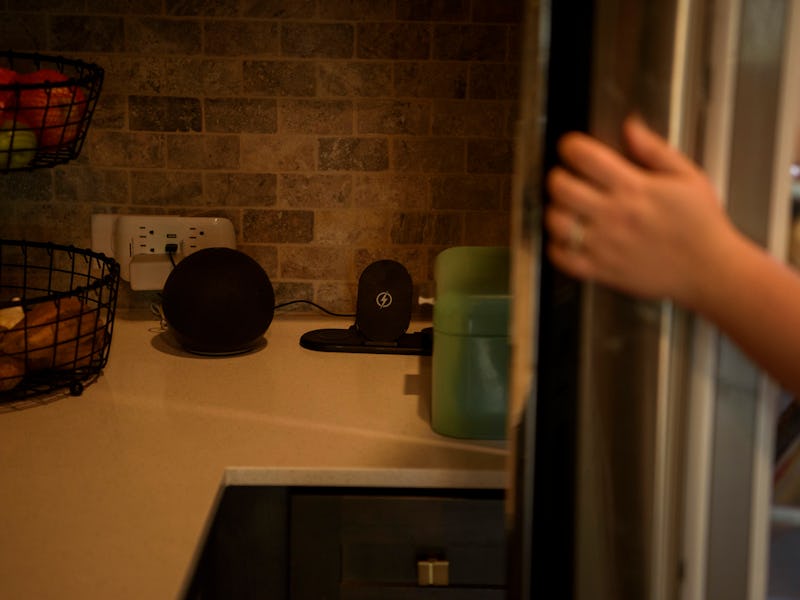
column 46, row 105
column 57, row 306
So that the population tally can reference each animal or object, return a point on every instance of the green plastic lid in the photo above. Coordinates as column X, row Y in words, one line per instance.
column 472, row 291
column 472, row 269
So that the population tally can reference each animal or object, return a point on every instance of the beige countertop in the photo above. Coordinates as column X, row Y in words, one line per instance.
column 106, row 495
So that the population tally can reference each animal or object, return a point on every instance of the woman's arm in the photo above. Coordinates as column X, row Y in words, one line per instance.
column 655, row 229
column 755, row 300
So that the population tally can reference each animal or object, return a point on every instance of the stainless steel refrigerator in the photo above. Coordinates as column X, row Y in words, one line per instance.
column 641, row 439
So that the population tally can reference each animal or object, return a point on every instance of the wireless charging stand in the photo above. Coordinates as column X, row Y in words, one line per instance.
column 383, row 314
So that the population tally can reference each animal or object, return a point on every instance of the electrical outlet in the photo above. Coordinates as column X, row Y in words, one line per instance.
column 148, row 246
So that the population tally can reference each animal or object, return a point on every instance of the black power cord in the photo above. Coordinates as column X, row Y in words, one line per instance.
column 171, row 249
column 315, row 305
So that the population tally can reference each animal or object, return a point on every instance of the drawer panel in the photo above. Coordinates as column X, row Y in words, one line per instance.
column 365, row 545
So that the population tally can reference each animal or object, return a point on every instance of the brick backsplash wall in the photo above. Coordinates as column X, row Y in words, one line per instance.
column 331, row 132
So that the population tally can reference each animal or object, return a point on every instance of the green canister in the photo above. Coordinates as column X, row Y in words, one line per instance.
column 471, row 342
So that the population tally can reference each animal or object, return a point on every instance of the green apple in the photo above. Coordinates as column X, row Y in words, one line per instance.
column 17, row 146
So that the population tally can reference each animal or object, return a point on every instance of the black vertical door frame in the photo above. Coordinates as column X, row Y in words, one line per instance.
column 568, row 102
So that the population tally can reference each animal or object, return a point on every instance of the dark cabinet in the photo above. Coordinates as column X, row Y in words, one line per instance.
column 304, row 543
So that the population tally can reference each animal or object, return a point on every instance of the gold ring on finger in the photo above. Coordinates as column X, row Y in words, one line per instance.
column 577, row 233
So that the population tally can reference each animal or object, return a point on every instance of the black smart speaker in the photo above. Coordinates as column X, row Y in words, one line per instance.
column 218, row 301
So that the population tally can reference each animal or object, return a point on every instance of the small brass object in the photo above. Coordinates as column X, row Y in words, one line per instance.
column 433, row 571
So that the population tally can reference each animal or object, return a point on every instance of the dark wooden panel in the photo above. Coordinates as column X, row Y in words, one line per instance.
column 366, row 545
column 244, row 556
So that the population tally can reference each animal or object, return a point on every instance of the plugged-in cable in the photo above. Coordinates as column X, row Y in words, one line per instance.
column 315, row 305
column 171, row 249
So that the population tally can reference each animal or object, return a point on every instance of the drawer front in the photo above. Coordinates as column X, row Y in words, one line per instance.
column 299, row 543
column 372, row 546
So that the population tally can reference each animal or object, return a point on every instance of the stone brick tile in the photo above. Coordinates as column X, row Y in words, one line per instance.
column 172, row 76
column 160, row 76
column 265, row 256
column 119, row 71
column 360, row 79
column 111, row 113
column 490, row 156
column 204, row 8
column 397, row 40
column 469, row 192
column 77, row 184
column 433, row 253
column 202, row 151
column 279, row 78
column 278, row 9
column 487, row 229
column 497, row 11
column 427, row 228
column 240, row 189
column 352, row 227
column 251, row 115
column 322, row 117
column 178, row 188
column 447, row 229
column 353, row 154
column 149, row 35
column 315, row 191
column 124, row 7
column 433, row 10
column 469, row 118
column 414, row 259
column 356, row 10
column 52, row 6
column 393, row 117
column 85, row 33
column 430, row 79
column 34, row 221
column 277, row 153
column 27, row 32
column 469, row 42
column 335, row 296
column 288, row 291
column 277, row 226
column 494, row 81
column 429, row 155
column 321, row 40
column 220, row 77
column 390, row 190
column 238, row 37
column 26, row 186
column 124, row 149
column 314, row 262
column 164, row 113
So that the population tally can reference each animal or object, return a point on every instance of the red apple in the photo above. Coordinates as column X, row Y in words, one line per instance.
column 7, row 79
column 53, row 111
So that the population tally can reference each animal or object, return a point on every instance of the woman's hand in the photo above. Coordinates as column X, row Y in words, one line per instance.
column 655, row 228
column 652, row 228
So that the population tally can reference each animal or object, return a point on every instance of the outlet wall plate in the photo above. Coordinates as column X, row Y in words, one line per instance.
column 147, row 245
